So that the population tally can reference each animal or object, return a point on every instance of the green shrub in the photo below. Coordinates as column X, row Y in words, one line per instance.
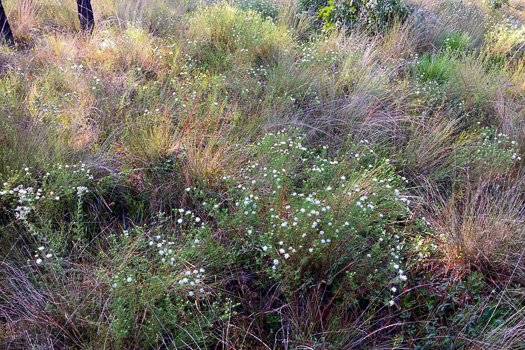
column 449, row 315
column 323, row 226
column 35, row 200
column 160, row 289
column 264, row 7
column 497, row 4
column 378, row 15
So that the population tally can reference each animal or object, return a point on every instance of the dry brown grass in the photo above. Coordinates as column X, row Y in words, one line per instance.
column 429, row 146
column 53, row 307
column 403, row 41
column 24, row 16
column 483, row 228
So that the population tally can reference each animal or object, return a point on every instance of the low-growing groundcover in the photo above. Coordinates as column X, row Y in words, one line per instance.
column 263, row 175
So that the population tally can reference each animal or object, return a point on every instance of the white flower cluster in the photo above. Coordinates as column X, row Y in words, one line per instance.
column 81, row 190
column 248, row 205
column 42, row 255
column 189, row 216
column 27, row 197
column 193, row 279
column 77, row 168
column 498, row 145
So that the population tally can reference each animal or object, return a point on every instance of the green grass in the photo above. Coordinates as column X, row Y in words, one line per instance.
column 229, row 176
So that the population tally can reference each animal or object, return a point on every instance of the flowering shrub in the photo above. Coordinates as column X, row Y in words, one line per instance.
column 159, row 285
column 36, row 199
column 342, row 224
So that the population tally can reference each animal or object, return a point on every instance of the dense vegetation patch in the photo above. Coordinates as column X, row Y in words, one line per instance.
column 263, row 175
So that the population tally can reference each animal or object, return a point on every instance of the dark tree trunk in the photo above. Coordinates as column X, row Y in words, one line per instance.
column 5, row 30
column 85, row 15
